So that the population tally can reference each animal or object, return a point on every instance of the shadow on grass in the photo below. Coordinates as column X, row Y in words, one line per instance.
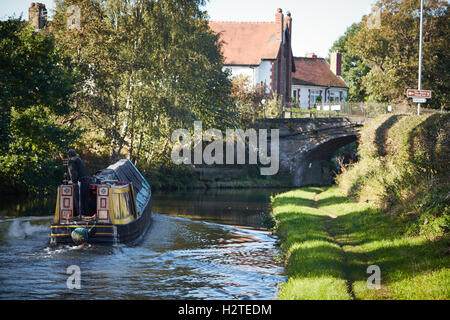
column 331, row 201
column 302, row 202
column 313, row 189
column 306, row 200
column 369, row 237
column 382, row 132
column 383, row 244
column 325, row 259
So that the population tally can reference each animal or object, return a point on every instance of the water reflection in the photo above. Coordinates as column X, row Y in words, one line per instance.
column 11, row 206
column 242, row 207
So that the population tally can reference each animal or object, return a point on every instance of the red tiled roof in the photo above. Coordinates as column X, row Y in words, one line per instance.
column 315, row 72
column 247, row 43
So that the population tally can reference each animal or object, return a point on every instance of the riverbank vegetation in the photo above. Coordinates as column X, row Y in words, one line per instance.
column 330, row 241
column 35, row 91
column 403, row 169
column 390, row 209
column 116, row 86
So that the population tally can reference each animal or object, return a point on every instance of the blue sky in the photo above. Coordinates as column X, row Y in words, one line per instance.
column 316, row 23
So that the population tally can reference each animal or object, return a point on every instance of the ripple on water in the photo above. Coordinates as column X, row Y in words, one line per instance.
column 178, row 259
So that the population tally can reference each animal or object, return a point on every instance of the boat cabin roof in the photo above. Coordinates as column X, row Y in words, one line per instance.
column 124, row 172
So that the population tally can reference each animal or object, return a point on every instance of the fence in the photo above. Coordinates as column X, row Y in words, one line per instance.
column 361, row 110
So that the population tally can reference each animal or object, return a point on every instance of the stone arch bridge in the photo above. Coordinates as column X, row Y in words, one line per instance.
column 307, row 144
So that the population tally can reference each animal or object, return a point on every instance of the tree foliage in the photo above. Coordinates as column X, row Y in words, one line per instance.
column 34, row 97
column 147, row 67
column 253, row 102
column 391, row 51
column 353, row 68
column 248, row 100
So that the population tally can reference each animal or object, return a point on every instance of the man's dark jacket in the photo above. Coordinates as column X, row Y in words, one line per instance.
column 77, row 169
column 78, row 173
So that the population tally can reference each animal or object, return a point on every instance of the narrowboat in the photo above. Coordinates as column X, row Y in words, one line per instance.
column 120, row 208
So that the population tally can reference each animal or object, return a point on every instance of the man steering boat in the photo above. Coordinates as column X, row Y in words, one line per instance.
column 80, row 180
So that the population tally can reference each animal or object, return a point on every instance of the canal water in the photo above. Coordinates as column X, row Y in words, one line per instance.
column 201, row 245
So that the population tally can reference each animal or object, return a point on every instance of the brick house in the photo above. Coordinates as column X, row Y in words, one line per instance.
column 259, row 50
column 314, row 77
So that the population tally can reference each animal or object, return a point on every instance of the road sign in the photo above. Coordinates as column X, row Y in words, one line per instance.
column 419, row 100
column 412, row 93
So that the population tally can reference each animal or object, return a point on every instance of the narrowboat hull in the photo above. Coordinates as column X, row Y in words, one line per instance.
column 120, row 209
column 104, row 233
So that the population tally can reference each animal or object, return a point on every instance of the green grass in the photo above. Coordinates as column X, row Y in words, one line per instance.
column 328, row 258
column 314, row 262
column 391, row 209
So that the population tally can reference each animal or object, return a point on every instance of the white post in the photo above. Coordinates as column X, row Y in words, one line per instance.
column 420, row 53
column 263, row 101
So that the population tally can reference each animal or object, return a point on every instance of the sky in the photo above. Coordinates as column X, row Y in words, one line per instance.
column 316, row 24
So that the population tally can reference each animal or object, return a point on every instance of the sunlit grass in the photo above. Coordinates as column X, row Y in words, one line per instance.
column 314, row 261
column 411, row 267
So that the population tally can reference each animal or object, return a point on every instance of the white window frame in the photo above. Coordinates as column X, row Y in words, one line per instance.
column 335, row 96
column 313, row 95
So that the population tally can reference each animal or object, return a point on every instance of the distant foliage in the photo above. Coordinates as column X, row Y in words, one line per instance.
column 248, row 100
column 274, row 107
column 353, row 68
column 253, row 102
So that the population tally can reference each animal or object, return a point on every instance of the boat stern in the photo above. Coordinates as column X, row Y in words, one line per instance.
column 96, row 233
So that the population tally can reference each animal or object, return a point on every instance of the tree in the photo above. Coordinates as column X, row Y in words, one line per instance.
column 30, row 74
column 248, row 100
column 34, row 98
column 33, row 162
column 353, row 68
column 147, row 67
column 391, row 50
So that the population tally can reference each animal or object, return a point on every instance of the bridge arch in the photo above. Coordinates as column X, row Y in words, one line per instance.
column 310, row 164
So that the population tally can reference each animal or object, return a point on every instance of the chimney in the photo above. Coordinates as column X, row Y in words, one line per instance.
column 311, row 55
column 289, row 22
column 37, row 15
column 335, row 63
column 279, row 22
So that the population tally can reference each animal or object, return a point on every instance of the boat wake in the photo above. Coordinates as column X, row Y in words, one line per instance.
column 21, row 230
column 50, row 251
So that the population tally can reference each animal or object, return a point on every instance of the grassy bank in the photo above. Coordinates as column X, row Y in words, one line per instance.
column 390, row 209
column 314, row 262
column 404, row 170
column 329, row 241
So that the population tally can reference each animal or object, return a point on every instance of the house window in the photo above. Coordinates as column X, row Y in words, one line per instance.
column 335, row 96
column 314, row 94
